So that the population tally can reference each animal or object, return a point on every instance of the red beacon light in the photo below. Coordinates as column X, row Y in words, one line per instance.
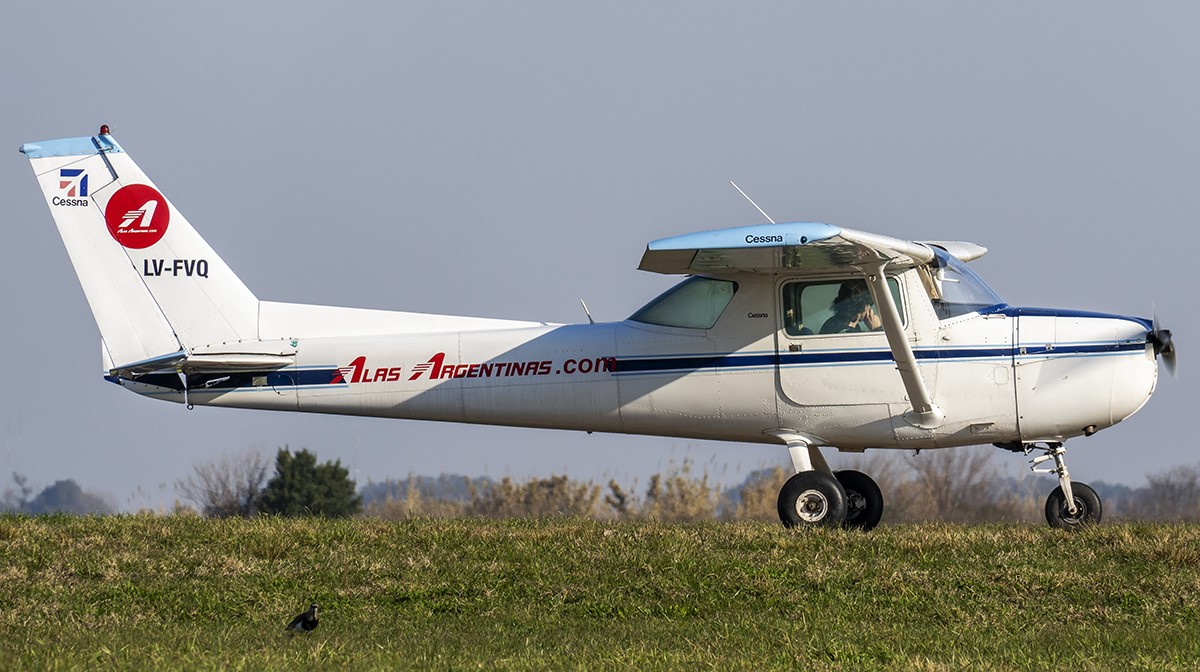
column 104, row 129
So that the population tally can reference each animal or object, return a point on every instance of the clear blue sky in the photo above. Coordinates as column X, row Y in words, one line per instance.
column 506, row 159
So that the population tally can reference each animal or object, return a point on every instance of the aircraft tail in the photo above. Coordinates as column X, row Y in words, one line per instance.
column 154, row 285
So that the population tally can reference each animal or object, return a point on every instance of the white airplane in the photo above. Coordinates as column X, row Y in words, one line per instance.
column 802, row 334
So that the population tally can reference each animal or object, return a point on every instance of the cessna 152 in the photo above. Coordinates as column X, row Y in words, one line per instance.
column 803, row 334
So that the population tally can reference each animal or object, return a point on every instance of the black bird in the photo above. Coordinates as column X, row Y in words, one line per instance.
column 306, row 622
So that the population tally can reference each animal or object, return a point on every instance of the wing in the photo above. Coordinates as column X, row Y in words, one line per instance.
column 775, row 248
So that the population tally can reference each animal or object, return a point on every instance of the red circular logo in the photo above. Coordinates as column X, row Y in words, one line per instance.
column 137, row 216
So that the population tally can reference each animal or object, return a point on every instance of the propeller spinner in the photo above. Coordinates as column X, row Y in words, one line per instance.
column 1164, row 346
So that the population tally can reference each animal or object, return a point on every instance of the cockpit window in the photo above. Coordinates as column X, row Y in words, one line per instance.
column 834, row 307
column 953, row 288
column 695, row 303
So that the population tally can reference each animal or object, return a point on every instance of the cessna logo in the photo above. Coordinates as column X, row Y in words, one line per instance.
column 137, row 216
column 357, row 372
column 73, row 183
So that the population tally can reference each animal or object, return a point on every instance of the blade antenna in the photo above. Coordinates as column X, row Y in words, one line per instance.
column 764, row 212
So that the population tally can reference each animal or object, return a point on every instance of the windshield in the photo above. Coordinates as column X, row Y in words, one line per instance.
column 954, row 289
column 695, row 303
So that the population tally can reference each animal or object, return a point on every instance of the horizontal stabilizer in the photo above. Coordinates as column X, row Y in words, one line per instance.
column 233, row 362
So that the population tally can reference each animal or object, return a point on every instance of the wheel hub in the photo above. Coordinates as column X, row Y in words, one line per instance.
column 812, row 506
column 1080, row 511
column 856, row 503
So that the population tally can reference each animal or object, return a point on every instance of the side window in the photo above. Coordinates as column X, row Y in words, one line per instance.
column 695, row 303
column 838, row 307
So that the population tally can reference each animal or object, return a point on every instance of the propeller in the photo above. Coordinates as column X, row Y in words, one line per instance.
column 1164, row 346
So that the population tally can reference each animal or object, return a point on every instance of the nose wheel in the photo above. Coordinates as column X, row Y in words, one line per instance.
column 1072, row 505
column 1087, row 507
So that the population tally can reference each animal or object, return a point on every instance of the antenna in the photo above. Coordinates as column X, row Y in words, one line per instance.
column 587, row 312
column 764, row 213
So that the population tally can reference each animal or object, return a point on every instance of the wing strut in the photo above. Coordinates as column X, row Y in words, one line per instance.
column 925, row 414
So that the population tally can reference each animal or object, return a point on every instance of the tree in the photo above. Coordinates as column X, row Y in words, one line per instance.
column 227, row 487
column 62, row 497
column 16, row 499
column 67, row 497
column 301, row 487
column 1173, row 494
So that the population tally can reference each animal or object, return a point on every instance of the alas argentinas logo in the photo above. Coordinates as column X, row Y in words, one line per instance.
column 137, row 216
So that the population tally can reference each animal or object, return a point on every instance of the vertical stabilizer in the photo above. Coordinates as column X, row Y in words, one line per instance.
column 154, row 285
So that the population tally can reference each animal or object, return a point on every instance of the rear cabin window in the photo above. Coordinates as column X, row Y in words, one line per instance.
column 837, row 307
column 695, row 303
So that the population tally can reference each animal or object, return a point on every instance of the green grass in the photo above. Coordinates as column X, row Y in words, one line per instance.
column 143, row 592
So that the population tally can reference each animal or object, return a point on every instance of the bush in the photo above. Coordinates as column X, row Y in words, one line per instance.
column 557, row 496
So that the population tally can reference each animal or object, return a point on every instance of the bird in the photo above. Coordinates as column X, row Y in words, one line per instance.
column 305, row 622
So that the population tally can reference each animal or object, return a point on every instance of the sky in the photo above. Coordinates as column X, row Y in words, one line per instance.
column 507, row 159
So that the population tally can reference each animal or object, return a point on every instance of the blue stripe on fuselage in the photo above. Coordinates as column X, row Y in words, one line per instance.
column 856, row 357
column 322, row 377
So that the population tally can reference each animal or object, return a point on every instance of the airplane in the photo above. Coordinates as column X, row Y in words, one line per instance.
column 805, row 335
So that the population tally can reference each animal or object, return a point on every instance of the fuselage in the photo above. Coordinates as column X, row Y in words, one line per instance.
column 1000, row 374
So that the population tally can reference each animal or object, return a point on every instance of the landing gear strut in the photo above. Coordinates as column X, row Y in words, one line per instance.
column 1072, row 505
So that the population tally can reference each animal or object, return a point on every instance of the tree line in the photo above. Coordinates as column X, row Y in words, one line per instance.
column 964, row 486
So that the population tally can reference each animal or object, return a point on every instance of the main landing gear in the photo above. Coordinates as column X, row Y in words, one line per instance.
column 847, row 499
column 818, row 496
column 1071, row 505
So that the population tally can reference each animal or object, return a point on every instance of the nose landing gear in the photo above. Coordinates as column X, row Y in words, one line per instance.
column 1071, row 505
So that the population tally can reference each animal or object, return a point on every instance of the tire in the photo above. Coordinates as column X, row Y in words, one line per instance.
column 1086, row 500
column 864, row 501
column 812, row 499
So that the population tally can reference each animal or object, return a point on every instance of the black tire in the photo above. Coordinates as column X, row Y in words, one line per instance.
column 864, row 501
column 1086, row 500
column 812, row 498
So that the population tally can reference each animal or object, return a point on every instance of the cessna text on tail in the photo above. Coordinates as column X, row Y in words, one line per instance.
column 802, row 334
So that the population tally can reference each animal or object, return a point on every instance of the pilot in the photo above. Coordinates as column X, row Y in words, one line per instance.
column 853, row 310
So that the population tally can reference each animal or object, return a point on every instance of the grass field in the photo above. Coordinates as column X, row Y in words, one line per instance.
column 145, row 592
